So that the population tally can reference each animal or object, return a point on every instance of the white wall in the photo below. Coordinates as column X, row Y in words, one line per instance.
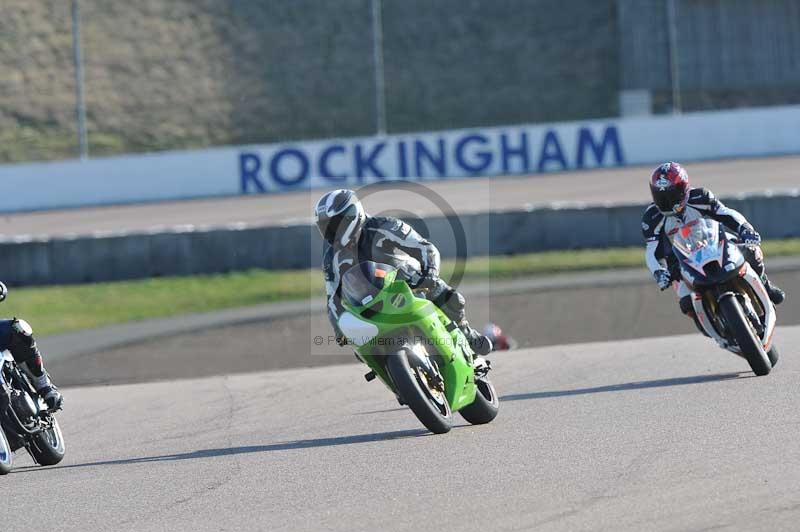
column 423, row 156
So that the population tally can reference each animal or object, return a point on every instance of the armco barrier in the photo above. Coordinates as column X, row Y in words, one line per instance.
column 185, row 252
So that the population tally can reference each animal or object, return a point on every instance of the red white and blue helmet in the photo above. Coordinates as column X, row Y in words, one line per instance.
column 669, row 186
column 340, row 217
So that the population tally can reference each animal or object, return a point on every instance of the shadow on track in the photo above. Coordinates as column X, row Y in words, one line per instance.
column 213, row 453
column 640, row 385
column 386, row 411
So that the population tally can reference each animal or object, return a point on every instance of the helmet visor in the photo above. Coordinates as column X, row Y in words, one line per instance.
column 670, row 200
column 340, row 224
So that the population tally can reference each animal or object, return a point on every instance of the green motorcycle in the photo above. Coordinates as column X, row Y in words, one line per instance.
column 414, row 348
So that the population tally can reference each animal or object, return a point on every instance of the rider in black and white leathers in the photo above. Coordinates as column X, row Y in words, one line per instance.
column 389, row 241
column 16, row 335
column 701, row 203
column 385, row 240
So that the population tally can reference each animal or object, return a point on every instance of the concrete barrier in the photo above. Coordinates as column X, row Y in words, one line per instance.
column 524, row 149
column 237, row 248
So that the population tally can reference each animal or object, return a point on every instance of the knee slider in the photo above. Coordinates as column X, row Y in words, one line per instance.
column 452, row 303
column 22, row 327
column 456, row 301
column 23, row 344
column 22, row 331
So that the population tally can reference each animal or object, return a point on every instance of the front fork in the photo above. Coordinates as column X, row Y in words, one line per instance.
column 706, row 322
column 765, row 330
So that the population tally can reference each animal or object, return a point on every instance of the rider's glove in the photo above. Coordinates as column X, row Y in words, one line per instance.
column 663, row 279
column 427, row 279
column 749, row 236
column 415, row 279
column 3, row 292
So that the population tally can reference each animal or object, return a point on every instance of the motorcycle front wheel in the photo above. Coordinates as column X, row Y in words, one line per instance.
column 746, row 338
column 47, row 448
column 417, row 389
column 773, row 355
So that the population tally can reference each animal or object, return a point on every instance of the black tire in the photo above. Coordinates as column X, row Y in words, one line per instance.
column 745, row 336
column 773, row 355
column 436, row 417
column 486, row 405
column 6, row 456
column 47, row 448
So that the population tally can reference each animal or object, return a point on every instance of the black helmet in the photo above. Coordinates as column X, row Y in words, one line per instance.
column 340, row 216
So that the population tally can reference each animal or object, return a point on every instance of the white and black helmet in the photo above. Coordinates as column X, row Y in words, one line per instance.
column 340, row 216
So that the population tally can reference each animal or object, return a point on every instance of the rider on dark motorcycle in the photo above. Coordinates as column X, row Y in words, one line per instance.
column 16, row 335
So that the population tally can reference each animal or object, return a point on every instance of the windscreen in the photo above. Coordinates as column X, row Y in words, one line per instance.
column 361, row 283
column 696, row 236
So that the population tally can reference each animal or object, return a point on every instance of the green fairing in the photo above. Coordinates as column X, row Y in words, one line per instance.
column 416, row 318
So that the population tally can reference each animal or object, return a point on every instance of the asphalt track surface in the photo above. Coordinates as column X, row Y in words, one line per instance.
column 656, row 434
column 642, row 434
column 618, row 185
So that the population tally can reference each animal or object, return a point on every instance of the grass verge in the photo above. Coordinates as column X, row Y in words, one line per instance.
column 55, row 309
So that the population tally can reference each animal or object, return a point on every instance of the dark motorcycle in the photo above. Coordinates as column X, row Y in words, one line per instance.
column 25, row 420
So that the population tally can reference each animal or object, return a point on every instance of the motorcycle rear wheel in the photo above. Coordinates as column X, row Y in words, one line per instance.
column 416, row 394
column 746, row 338
column 486, row 405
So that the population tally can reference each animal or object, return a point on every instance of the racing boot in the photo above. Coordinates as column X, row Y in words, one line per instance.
column 479, row 343
column 776, row 295
column 453, row 304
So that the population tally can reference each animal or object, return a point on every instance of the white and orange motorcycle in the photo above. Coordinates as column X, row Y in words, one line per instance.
column 729, row 298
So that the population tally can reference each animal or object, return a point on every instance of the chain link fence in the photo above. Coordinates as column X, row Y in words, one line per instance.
column 694, row 55
column 183, row 74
